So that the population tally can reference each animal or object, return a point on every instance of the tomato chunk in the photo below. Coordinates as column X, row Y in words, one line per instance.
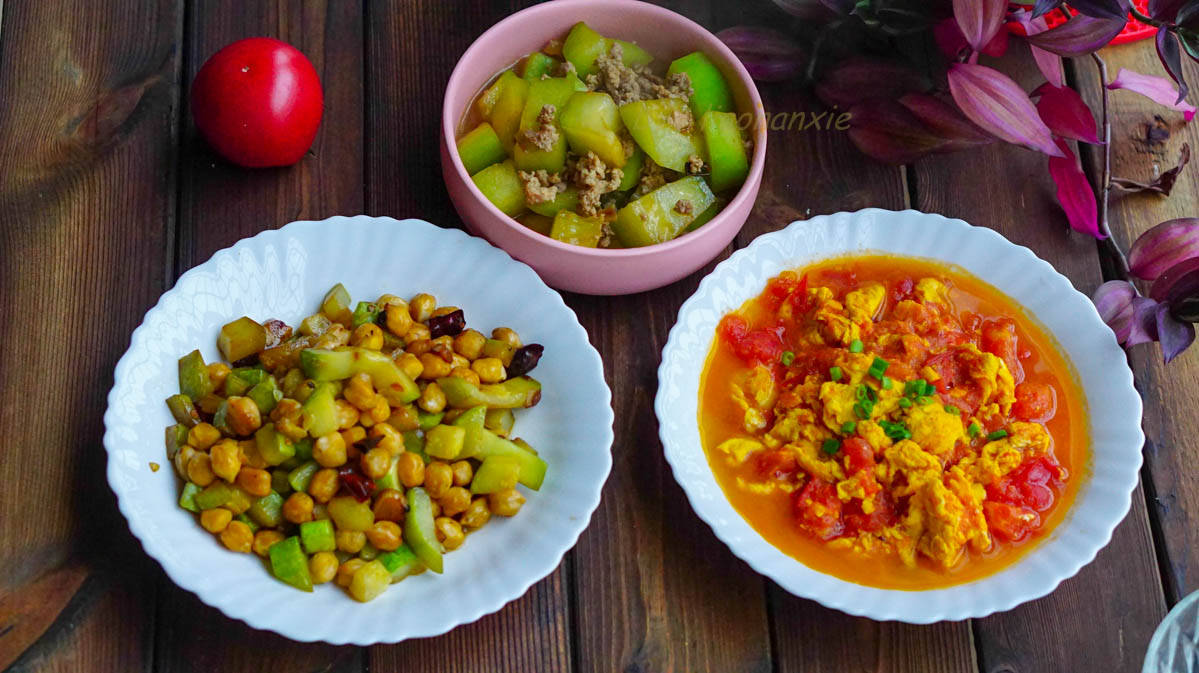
column 1034, row 402
column 858, row 454
column 818, row 510
column 882, row 516
column 1010, row 522
column 777, row 463
column 780, row 287
column 999, row 339
column 1031, row 485
column 759, row 346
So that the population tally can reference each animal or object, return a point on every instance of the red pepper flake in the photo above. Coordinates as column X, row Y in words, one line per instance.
column 358, row 485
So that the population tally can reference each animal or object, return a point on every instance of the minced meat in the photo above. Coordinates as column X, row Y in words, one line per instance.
column 594, row 179
column 683, row 207
column 544, row 135
column 653, row 176
column 695, row 164
column 626, row 84
column 541, row 186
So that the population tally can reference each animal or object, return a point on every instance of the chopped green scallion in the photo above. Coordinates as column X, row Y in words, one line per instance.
column 856, row 346
column 998, row 434
column 952, row 409
column 974, row 429
column 834, row 373
column 787, row 358
column 830, row 446
column 905, row 403
column 887, row 383
column 849, row 427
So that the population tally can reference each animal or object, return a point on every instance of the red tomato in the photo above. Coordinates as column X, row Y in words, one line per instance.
column 999, row 339
column 902, row 289
column 779, row 288
column 1030, row 485
column 858, row 454
column 777, row 463
column 1010, row 522
column 818, row 510
column 883, row 515
column 759, row 346
column 1034, row 402
column 258, row 102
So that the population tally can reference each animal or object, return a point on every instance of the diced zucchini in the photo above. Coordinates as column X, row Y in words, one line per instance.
column 267, row 510
column 500, row 421
column 349, row 514
column 216, row 494
column 266, row 395
column 633, row 168
column 515, row 393
column 554, row 91
column 317, row 536
column 582, row 46
column 364, row 312
column 537, row 222
column 369, row 581
column 289, row 564
column 591, row 123
column 315, row 325
column 509, row 105
column 414, row 442
column 336, row 305
column 657, row 218
column 502, row 350
column 445, row 441
column 427, row 421
column 240, row 339
column 632, row 54
column 300, row 477
column 239, row 500
column 537, row 64
column 279, row 482
column 419, row 531
column 303, row 450
column 532, row 467
column 502, row 187
column 526, row 158
column 187, row 498
column 726, row 151
column 274, row 447
column 650, row 124
column 486, row 102
column 480, row 148
column 183, row 410
column 335, row 365
column 710, row 90
column 320, row 410
column 193, row 376
column 495, row 473
column 567, row 199
column 401, row 563
column 176, row 437
column 575, row 229
column 241, row 379
column 390, row 479
column 706, row 216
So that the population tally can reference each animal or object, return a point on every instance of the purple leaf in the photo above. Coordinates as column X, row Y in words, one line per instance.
column 1102, row 9
column 1143, row 327
column 860, row 79
column 1171, row 58
column 1113, row 300
column 1066, row 114
column 1074, row 192
column 889, row 132
column 1079, row 36
column 992, row 100
column 1178, row 288
column 1174, row 335
column 946, row 121
column 1049, row 64
column 949, row 38
column 1162, row 184
column 979, row 20
column 1158, row 89
column 1163, row 247
column 1043, row 7
column 768, row 55
column 1165, row 10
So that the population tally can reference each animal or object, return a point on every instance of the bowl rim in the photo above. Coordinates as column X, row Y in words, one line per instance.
column 234, row 609
column 449, row 124
column 939, row 603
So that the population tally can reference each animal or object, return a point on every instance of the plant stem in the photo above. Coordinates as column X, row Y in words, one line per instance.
column 1147, row 20
column 1105, row 184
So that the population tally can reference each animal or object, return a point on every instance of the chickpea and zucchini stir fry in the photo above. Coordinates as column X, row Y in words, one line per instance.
column 359, row 447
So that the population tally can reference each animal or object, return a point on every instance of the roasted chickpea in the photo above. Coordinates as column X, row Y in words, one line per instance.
column 226, row 459
column 199, row 470
column 375, row 463
column 367, row 335
column 490, row 370
column 256, row 482
column 390, row 505
column 322, row 566
column 324, row 485
column 451, row 414
column 250, row 455
column 506, row 502
column 263, row 540
column 404, row 418
column 418, row 332
column 434, row 366
column 329, row 450
column 377, row 414
column 444, row 310
column 351, row 541
column 203, row 435
column 421, row 306
column 436, row 507
column 463, row 472
column 242, row 415
column 398, row 318
column 360, row 391
column 476, row 515
column 352, row 436
column 410, row 364
column 182, row 458
column 298, row 507
column 449, row 532
column 286, row 408
column 455, row 501
column 209, row 403
column 215, row 520
column 411, row 469
column 336, row 335
column 385, row 535
column 438, row 479
column 469, row 344
column 507, row 334
column 292, row 429
column 237, row 537
column 432, row 399
column 217, row 373
column 387, row 438
column 345, row 572
column 347, row 414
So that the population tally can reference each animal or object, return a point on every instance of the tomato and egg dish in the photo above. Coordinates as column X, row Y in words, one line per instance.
column 893, row 422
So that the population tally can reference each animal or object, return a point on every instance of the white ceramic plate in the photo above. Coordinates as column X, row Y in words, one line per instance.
column 1113, row 406
column 284, row 274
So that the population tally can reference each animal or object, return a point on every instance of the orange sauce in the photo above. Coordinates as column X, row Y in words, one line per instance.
column 772, row 514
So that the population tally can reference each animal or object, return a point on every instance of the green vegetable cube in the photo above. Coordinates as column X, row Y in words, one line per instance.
column 537, row 64
column 496, row 473
column 266, row 394
column 369, row 581
column 529, row 158
column 419, row 532
column 632, row 55
column 582, row 46
column 522, row 391
column 726, row 151
column 427, row 421
column 183, row 410
column 499, row 421
column 187, row 499
column 267, row 510
column 242, row 379
column 300, row 477
column 445, row 441
column 567, row 199
column 240, row 339
column 709, row 89
column 349, row 514
column 336, row 305
column 570, row 227
column 401, row 563
column 509, row 105
column 480, row 148
column 653, row 125
column 633, row 168
column 289, row 563
column 336, row 365
column 657, row 217
column 538, row 222
column 591, row 123
column 193, row 376
column 214, row 495
column 472, row 421
column 502, row 187
column 364, row 312
column 532, row 467
column 317, row 536
column 274, row 447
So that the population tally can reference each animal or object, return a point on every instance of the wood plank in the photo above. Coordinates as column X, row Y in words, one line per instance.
column 1102, row 618
column 404, row 180
column 221, row 203
column 1169, row 391
column 87, row 144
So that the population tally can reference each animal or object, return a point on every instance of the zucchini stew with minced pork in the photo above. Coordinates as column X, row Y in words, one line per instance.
column 360, row 446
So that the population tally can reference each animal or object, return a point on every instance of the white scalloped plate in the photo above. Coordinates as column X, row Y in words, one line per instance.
column 283, row 274
column 1113, row 405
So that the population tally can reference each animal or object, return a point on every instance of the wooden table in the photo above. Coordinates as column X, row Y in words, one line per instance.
column 106, row 196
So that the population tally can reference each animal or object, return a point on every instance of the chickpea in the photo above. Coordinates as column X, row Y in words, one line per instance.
column 336, row 335
column 209, row 403
column 375, row 463
column 476, row 515
column 360, row 391
column 292, row 429
column 404, row 418
column 237, row 537
column 451, row 415
column 421, row 306
column 398, row 318
column 410, row 364
column 263, row 540
column 329, row 450
column 345, row 572
column 387, row 438
column 438, row 478
column 367, row 335
column 435, row 367
column 506, row 502
column 377, row 414
column 254, row 481
column 217, row 373
column 418, row 332
column 242, row 415
column 199, row 470
column 463, row 472
column 215, row 520
column 324, row 485
column 459, row 362
column 449, row 532
column 419, row 348
column 507, row 334
column 226, row 459
column 436, row 507
column 350, row 541
column 444, row 346
column 385, row 535
column 250, row 455
column 469, row 344
column 432, row 399
column 286, row 408
column 444, row 310
column 182, row 458
column 322, row 567
column 203, row 435
column 352, row 436
column 298, row 508
column 455, row 501
column 386, row 300
column 347, row 414
column 411, row 469
column 490, row 370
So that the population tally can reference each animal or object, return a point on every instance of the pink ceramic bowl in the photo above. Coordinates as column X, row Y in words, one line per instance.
column 667, row 36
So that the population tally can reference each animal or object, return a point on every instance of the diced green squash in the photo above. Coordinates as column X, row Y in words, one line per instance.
column 315, row 325
column 555, row 91
column 537, row 64
column 496, row 348
column 241, row 379
column 445, row 441
column 633, row 168
column 710, row 90
column 193, row 376
column 532, row 467
column 591, row 123
column 575, row 229
column 632, row 55
column 245, row 518
column 500, row 421
column 656, row 217
column 268, row 510
column 240, row 339
column 176, row 437
column 266, row 394
column 187, row 498
column 369, row 581
column 495, row 473
column 317, row 536
column 650, row 124
column 336, row 305
column 279, row 482
column 216, row 494
column 509, row 105
column 289, row 564
column 303, row 450
column 706, row 216
column 582, row 46
column 427, row 421
column 320, row 410
column 239, row 500
column 526, row 158
column 726, row 150
column 502, row 187
column 414, row 442
column 349, row 514
column 183, row 410
column 220, row 420
column 515, row 393
column 486, row 102
column 419, row 532
column 401, row 563
column 472, row 422
column 364, row 312
column 480, row 148
column 336, row 365
column 391, row 478
column 537, row 222
column 567, row 199
column 274, row 447
column 300, row 477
